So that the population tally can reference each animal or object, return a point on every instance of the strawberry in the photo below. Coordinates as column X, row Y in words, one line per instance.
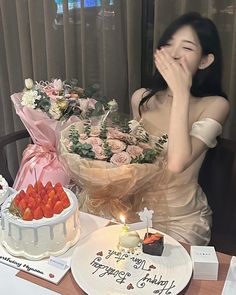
column 26, row 197
column 65, row 202
column 59, row 190
column 58, row 208
column 48, row 186
column 32, row 194
column 17, row 199
column 51, row 194
column 45, row 199
column 38, row 186
column 27, row 215
column 30, row 188
column 50, row 203
column 22, row 194
column 58, row 187
column 38, row 201
column 38, row 213
column 32, row 203
column 62, row 195
column 47, row 211
column 55, row 199
column 22, row 205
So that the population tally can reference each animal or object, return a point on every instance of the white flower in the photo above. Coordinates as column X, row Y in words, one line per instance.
column 138, row 130
column 29, row 97
column 57, row 84
column 84, row 105
column 133, row 125
column 113, row 105
column 29, row 83
column 55, row 111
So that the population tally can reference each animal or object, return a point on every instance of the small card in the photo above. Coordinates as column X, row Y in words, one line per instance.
column 146, row 216
column 57, row 262
column 205, row 263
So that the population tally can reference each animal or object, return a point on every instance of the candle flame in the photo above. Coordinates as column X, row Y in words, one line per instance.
column 122, row 218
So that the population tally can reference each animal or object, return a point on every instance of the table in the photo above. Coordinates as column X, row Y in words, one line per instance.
column 68, row 286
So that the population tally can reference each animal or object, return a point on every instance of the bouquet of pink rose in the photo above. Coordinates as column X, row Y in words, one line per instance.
column 113, row 161
column 43, row 107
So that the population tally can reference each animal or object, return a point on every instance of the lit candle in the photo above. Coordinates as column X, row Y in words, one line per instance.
column 125, row 227
column 128, row 239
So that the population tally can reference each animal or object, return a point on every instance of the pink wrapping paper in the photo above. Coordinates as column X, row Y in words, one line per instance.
column 41, row 157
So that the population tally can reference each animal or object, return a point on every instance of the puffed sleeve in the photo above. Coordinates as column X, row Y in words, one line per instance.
column 207, row 130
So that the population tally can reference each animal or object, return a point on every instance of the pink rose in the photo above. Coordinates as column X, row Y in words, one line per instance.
column 99, row 152
column 116, row 145
column 134, row 151
column 114, row 133
column 121, row 159
column 95, row 131
column 94, row 141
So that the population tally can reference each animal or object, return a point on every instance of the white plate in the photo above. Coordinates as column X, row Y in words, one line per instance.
column 98, row 270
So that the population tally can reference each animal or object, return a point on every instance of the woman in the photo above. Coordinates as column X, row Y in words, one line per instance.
column 186, row 102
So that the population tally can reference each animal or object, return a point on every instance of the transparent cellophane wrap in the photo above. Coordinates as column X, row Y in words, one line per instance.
column 107, row 190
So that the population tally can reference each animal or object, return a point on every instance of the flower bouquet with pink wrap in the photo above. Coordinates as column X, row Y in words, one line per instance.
column 43, row 107
column 113, row 161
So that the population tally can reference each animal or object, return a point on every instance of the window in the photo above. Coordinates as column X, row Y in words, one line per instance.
column 76, row 4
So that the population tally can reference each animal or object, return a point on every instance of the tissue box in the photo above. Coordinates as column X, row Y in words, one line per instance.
column 205, row 263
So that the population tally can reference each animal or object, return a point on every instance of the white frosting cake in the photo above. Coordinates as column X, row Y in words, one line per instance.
column 37, row 239
column 4, row 189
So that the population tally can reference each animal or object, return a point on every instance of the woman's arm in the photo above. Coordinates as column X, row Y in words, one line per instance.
column 184, row 149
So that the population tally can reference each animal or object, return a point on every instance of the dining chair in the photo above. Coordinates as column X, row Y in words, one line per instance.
column 218, row 180
column 4, row 141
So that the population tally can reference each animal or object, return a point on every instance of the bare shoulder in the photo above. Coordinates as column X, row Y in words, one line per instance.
column 215, row 107
column 138, row 95
column 135, row 100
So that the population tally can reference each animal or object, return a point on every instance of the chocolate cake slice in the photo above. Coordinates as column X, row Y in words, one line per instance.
column 153, row 244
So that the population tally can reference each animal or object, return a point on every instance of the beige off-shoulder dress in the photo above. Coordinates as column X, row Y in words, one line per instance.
column 180, row 206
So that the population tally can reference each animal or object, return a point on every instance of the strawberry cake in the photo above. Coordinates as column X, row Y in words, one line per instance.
column 40, row 221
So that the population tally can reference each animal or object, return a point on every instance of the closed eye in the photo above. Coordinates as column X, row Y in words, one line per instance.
column 188, row 48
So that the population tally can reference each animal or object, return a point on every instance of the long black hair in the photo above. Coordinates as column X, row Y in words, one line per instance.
column 206, row 82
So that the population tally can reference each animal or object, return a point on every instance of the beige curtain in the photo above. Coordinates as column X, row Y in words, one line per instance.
column 223, row 13
column 96, row 45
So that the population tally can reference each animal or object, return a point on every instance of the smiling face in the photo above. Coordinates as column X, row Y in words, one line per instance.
column 185, row 44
